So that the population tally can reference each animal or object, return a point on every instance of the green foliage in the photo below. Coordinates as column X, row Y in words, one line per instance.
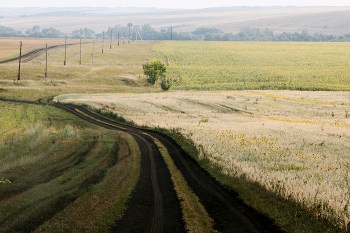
column 166, row 83
column 154, row 70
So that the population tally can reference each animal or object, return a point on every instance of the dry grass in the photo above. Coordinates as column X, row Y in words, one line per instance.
column 293, row 143
column 116, row 70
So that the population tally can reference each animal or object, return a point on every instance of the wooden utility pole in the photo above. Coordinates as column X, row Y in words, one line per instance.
column 133, row 34
column 118, row 35
column 171, row 32
column 110, row 47
column 124, row 35
column 93, row 45
column 80, row 53
column 19, row 66
column 129, row 36
column 103, row 41
column 205, row 34
column 46, row 64
column 65, row 51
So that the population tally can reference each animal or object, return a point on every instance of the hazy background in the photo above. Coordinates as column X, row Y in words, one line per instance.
column 316, row 16
column 178, row 4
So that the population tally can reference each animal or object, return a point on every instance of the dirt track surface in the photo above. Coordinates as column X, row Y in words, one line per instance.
column 33, row 54
column 154, row 207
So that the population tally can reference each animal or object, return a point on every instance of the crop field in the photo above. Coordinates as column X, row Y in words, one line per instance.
column 257, row 65
column 292, row 143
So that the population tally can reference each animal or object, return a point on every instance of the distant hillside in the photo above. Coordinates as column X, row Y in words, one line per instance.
column 325, row 20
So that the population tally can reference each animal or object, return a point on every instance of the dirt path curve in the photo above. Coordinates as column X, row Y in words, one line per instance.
column 34, row 53
column 154, row 206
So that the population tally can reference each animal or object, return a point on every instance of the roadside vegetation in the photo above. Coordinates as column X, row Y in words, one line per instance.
column 60, row 173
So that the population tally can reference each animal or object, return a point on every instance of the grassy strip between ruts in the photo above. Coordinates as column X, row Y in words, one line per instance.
column 194, row 214
column 287, row 214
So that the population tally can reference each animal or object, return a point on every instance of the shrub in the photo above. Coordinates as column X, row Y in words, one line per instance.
column 154, row 70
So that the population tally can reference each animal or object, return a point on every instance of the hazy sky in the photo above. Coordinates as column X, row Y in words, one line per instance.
column 178, row 4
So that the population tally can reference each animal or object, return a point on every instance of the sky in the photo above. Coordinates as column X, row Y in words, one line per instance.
column 177, row 4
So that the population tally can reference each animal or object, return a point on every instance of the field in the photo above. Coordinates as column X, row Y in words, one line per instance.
column 272, row 146
column 292, row 143
column 257, row 65
column 116, row 70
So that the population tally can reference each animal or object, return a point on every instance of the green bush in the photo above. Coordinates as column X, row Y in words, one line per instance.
column 154, row 70
column 166, row 83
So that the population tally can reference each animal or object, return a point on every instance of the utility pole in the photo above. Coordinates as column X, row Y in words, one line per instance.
column 133, row 34
column 171, row 32
column 93, row 45
column 103, row 41
column 124, row 35
column 19, row 66
column 46, row 64
column 65, row 50
column 205, row 34
column 110, row 47
column 80, row 52
column 118, row 35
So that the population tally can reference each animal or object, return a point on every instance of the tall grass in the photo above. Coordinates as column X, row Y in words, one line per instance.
column 58, row 172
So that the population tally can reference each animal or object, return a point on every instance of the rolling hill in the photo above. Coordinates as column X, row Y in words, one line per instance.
column 325, row 20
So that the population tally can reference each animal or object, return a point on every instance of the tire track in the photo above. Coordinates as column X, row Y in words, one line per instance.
column 159, row 220
column 34, row 53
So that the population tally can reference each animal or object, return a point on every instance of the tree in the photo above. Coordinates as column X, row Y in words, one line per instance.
column 154, row 70
column 36, row 29
column 129, row 25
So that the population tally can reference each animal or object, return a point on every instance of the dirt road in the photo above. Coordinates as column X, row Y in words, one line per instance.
column 154, row 206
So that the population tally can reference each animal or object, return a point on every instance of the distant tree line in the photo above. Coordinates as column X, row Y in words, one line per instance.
column 148, row 33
